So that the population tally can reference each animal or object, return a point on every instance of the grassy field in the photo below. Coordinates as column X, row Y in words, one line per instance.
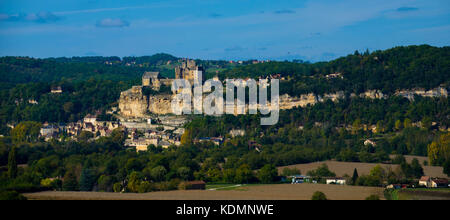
column 342, row 168
column 422, row 194
column 244, row 192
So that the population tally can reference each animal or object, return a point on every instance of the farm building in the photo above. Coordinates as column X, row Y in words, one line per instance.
column 296, row 179
column 425, row 181
column 439, row 183
column 337, row 181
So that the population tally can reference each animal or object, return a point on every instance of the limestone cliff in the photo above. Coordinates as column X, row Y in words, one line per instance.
column 133, row 102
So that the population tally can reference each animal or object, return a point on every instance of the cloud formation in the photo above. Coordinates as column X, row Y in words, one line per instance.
column 284, row 11
column 112, row 23
column 40, row 17
column 406, row 9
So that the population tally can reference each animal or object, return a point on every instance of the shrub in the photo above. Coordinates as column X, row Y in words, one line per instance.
column 319, row 196
column 11, row 195
column 373, row 197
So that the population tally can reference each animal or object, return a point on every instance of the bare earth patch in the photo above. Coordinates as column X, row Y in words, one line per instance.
column 261, row 192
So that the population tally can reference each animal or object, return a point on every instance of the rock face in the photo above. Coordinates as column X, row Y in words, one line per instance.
column 133, row 103
column 160, row 104
column 409, row 94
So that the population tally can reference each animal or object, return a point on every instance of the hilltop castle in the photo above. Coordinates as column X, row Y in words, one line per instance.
column 135, row 103
column 189, row 71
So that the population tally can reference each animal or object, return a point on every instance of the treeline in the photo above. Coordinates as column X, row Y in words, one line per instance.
column 397, row 68
column 77, row 100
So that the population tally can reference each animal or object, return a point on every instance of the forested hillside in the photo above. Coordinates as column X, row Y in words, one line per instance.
column 398, row 68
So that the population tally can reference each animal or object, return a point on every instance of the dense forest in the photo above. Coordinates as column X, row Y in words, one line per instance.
column 390, row 70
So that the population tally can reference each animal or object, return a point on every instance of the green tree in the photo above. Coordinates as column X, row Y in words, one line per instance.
column 407, row 123
column 321, row 171
column 12, row 163
column 427, row 122
column 117, row 187
column 158, row 173
column 356, row 126
column 134, row 181
column 184, row 173
column 398, row 125
column 27, row 131
column 319, row 196
column 373, row 197
column 416, row 168
column 87, row 180
column 268, row 173
column 243, row 174
column 11, row 196
column 85, row 136
column 70, row 182
column 186, row 138
column 447, row 167
column 355, row 176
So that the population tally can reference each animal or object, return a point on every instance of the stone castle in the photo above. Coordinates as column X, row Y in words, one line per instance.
column 189, row 71
column 137, row 104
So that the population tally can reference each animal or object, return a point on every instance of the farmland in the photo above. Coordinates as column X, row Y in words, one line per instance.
column 246, row 192
column 421, row 194
column 342, row 168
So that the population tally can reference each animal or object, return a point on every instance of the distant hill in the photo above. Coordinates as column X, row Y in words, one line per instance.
column 17, row 70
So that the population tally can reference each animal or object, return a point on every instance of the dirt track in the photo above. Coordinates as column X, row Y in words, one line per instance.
column 263, row 192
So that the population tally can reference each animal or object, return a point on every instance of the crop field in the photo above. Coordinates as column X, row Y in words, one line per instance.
column 245, row 192
column 422, row 194
column 342, row 168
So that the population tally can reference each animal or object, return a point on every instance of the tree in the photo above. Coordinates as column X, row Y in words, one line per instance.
column 12, row 163
column 427, row 122
column 243, row 174
column 184, row 173
column 87, row 180
column 134, row 181
column 27, row 131
column 356, row 126
column 321, row 171
column 380, row 127
column 117, row 187
column 85, row 136
column 11, row 196
column 158, row 173
column 398, row 125
column 373, row 197
column 68, row 107
column 268, row 173
column 399, row 159
column 186, row 138
column 70, row 182
column 447, row 167
column 439, row 151
column 355, row 176
column 319, row 196
column 416, row 168
column 407, row 123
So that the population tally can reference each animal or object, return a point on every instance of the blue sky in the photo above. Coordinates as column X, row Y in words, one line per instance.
column 313, row 30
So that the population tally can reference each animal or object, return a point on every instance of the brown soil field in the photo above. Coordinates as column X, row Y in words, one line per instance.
column 259, row 192
column 342, row 168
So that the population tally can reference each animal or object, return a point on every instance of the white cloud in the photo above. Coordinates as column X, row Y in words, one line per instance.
column 110, row 22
